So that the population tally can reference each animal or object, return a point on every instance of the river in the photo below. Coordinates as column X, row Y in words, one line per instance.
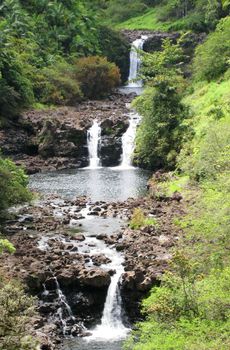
column 99, row 184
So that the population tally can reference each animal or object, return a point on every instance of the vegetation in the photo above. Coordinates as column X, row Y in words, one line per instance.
column 39, row 44
column 97, row 76
column 190, row 308
column 16, row 310
column 160, row 135
column 139, row 220
column 197, row 15
column 13, row 184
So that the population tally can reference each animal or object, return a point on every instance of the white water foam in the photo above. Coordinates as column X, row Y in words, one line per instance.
column 93, row 143
column 135, row 62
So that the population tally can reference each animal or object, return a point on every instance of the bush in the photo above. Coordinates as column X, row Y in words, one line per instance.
column 139, row 220
column 212, row 57
column 13, row 184
column 16, row 309
column 97, row 76
column 58, row 85
column 16, row 89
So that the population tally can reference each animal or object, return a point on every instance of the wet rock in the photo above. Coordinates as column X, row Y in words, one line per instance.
column 94, row 278
column 51, row 283
column 79, row 237
column 100, row 259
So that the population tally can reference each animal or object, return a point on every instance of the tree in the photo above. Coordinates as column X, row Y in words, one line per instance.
column 161, row 132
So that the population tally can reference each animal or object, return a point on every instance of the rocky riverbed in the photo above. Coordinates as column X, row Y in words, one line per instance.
column 55, row 257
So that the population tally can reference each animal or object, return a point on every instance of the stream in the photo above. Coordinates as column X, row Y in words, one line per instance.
column 99, row 184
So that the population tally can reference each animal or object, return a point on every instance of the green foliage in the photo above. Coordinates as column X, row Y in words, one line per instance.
column 206, row 155
column 139, row 220
column 190, row 310
column 160, row 134
column 58, row 85
column 116, row 49
column 13, row 184
column 16, row 309
column 97, row 76
column 212, row 57
column 6, row 245
column 196, row 15
column 117, row 11
column 38, row 43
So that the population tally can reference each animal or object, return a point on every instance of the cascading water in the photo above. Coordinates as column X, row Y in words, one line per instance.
column 135, row 62
column 93, row 143
column 64, row 312
column 128, row 141
column 112, row 327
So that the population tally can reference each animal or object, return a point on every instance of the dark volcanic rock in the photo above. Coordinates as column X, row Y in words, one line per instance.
column 57, row 138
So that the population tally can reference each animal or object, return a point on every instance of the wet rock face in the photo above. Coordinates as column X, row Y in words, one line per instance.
column 155, row 40
column 111, row 141
column 60, row 140
column 57, row 138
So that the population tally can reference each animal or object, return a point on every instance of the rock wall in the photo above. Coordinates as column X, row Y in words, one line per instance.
column 57, row 138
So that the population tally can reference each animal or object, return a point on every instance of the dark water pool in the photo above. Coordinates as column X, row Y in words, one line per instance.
column 108, row 184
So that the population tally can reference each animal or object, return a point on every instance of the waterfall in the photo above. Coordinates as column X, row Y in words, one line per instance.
column 128, row 141
column 112, row 326
column 64, row 312
column 93, row 143
column 135, row 61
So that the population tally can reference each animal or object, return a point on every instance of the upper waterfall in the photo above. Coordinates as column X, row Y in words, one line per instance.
column 93, row 143
column 135, row 62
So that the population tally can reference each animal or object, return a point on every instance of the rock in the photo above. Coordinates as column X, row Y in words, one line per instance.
column 120, row 247
column 95, row 278
column 100, row 259
column 78, row 237
column 51, row 283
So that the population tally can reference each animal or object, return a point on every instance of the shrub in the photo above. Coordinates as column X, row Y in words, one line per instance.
column 6, row 245
column 16, row 309
column 139, row 220
column 97, row 76
column 13, row 184
column 58, row 85
column 16, row 90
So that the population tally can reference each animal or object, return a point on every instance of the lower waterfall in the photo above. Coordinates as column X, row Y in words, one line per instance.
column 112, row 326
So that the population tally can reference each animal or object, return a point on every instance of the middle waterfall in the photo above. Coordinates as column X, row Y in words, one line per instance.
column 93, row 142
column 128, row 141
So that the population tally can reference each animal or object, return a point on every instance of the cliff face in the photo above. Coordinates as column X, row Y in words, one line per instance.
column 57, row 138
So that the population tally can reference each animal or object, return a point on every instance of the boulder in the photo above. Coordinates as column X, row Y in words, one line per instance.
column 96, row 278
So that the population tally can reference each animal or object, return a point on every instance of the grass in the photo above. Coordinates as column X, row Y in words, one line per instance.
column 148, row 20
